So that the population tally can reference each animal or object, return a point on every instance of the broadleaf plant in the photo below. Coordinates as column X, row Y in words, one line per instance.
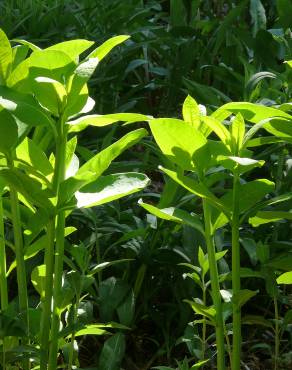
column 42, row 101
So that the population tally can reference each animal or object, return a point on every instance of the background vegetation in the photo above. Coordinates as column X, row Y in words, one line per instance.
column 217, row 52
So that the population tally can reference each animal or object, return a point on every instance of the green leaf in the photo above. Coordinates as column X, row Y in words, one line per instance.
column 73, row 48
column 107, row 46
column 258, row 16
column 93, row 329
column 278, row 123
column 29, row 152
column 180, row 142
column 5, row 57
column 192, row 114
column 243, row 296
column 28, row 187
column 285, row 278
column 112, row 352
column 51, row 94
column 38, row 277
column 282, row 262
column 108, row 188
column 237, row 131
column 264, row 217
column 103, row 120
column 220, row 130
column 24, row 108
column 19, row 53
column 197, row 188
column 257, row 320
column 203, row 310
column 284, row 8
column 240, row 164
column 174, row 214
column 126, row 309
column 199, row 364
column 93, row 168
column 29, row 44
column 8, row 132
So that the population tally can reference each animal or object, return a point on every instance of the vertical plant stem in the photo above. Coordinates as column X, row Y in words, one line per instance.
column 20, row 264
column 204, row 322
column 215, row 287
column 18, row 242
column 47, row 300
column 71, row 353
column 277, row 333
column 236, row 347
column 59, row 249
column 3, row 278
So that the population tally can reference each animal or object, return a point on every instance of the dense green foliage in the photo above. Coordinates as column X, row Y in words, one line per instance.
column 131, row 241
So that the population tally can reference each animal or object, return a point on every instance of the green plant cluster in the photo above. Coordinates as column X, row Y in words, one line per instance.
column 203, row 277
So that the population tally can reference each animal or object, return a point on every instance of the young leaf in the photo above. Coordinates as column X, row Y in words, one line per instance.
column 237, row 131
column 112, row 352
column 107, row 46
column 51, row 94
column 192, row 114
column 5, row 57
column 180, row 142
column 174, row 214
column 285, row 278
column 38, row 277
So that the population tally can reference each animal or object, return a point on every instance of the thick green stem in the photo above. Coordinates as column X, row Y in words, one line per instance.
column 236, row 346
column 204, row 331
column 71, row 352
column 47, row 300
column 215, row 287
column 59, row 252
column 3, row 278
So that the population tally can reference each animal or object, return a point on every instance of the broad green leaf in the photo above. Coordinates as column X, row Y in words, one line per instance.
column 107, row 46
column 93, row 168
column 38, row 277
column 285, row 278
column 53, row 64
column 180, row 142
column 51, row 94
column 112, row 352
column 29, row 152
column 77, row 102
column 174, row 214
column 279, row 123
column 197, row 188
column 108, row 188
column 243, row 296
column 72, row 47
column 264, row 217
column 8, row 132
column 5, row 57
column 103, row 120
